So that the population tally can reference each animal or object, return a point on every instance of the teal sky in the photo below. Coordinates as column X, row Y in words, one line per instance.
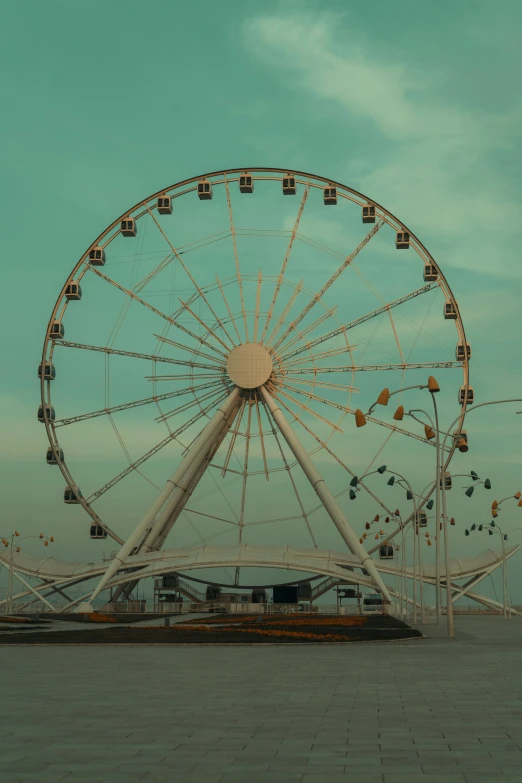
column 417, row 105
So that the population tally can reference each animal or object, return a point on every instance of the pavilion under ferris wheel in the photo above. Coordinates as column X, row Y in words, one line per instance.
column 219, row 354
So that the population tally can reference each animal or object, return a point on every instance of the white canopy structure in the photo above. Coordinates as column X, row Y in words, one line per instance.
column 56, row 575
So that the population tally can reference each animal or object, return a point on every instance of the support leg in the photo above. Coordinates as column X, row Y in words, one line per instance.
column 319, row 484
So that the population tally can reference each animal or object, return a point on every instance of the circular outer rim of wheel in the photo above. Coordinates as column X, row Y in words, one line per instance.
column 313, row 180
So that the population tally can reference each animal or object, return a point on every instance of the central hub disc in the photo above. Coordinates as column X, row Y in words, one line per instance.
column 249, row 365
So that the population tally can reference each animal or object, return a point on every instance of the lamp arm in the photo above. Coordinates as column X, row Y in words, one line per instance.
column 462, row 414
column 397, row 391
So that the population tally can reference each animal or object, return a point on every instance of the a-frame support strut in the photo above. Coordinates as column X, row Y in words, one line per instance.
column 326, row 497
column 155, row 519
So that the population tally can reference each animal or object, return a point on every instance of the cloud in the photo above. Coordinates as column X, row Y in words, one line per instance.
column 438, row 174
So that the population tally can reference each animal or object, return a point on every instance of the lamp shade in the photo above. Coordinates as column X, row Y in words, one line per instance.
column 492, row 523
column 352, row 495
column 397, row 512
column 490, row 532
column 487, row 484
column 518, row 495
column 494, row 504
column 466, row 532
column 354, row 481
column 452, row 521
column 429, row 505
column 473, row 475
column 382, row 469
column 433, row 386
column 383, row 397
column 469, row 491
column 409, row 495
column 360, row 418
column 429, row 432
column 399, row 413
column 520, row 503
column 480, row 527
column 376, row 518
column 367, row 526
column 473, row 526
column 391, row 481
column 505, row 537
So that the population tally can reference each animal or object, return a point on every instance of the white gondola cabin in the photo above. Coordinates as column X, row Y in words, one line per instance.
column 129, row 227
column 73, row 292
column 165, row 205
column 71, row 496
column 330, row 195
column 368, row 213
column 422, row 519
column 204, row 190
column 54, row 456
column 97, row 256
column 431, row 273
column 466, row 397
column 46, row 412
column 386, row 552
column 98, row 532
column 57, row 330
column 450, row 311
column 289, row 186
column 49, row 372
column 463, row 352
column 402, row 240
column 447, row 482
column 246, row 184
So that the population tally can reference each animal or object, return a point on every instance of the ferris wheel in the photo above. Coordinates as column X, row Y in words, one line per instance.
column 233, row 316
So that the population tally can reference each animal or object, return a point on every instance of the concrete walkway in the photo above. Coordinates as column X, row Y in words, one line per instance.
column 429, row 710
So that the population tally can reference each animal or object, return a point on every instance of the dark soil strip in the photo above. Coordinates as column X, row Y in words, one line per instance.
column 121, row 635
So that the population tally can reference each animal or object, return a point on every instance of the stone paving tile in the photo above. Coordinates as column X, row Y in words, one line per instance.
column 409, row 712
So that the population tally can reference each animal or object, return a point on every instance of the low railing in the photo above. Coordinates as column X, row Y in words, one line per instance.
column 216, row 607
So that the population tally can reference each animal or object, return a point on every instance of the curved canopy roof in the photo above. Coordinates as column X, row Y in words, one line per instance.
column 328, row 562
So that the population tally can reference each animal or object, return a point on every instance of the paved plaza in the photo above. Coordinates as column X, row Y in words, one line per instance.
column 427, row 710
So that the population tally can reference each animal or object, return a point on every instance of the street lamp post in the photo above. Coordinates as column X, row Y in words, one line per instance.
column 434, row 432
column 492, row 528
column 9, row 542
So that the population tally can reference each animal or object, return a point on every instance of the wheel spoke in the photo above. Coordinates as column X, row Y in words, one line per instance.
column 258, row 299
column 141, row 301
column 282, row 317
column 192, row 279
column 209, row 331
column 172, row 436
column 245, row 470
column 232, row 319
column 358, row 321
column 135, row 355
column 288, row 469
column 323, row 445
column 134, row 404
column 277, row 392
column 285, row 262
column 197, row 401
column 189, row 349
column 236, row 257
column 315, row 397
column 376, row 367
column 328, row 284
